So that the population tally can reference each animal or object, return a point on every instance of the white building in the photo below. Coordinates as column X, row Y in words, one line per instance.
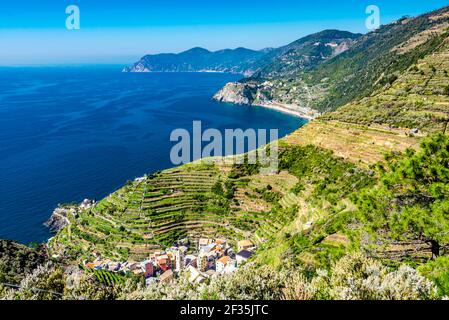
column 195, row 275
column 179, row 260
column 222, row 263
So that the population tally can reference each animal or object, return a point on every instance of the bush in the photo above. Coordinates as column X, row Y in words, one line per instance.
column 438, row 272
column 46, row 282
column 411, row 200
column 446, row 90
column 357, row 277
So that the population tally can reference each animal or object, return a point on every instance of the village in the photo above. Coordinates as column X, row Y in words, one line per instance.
column 204, row 259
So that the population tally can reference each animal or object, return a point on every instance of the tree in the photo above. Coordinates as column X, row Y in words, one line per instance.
column 411, row 201
column 446, row 90
column 217, row 188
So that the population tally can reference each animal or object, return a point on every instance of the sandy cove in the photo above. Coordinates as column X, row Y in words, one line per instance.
column 295, row 110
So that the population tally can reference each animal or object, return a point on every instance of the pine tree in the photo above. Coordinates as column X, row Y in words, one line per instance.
column 411, row 201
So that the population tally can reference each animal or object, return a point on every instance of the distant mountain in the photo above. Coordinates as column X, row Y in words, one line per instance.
column 240, row 60
column 266, row 63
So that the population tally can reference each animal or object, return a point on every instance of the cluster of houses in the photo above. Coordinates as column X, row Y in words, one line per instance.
column 210, row 257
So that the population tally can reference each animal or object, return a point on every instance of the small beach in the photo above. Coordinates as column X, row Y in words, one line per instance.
column 294, row 110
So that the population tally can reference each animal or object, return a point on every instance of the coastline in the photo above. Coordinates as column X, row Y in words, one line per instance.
column 295, row 110
column 236, row 93
column 243, row 74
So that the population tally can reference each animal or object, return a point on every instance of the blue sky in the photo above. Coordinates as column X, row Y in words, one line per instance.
column 34, row 33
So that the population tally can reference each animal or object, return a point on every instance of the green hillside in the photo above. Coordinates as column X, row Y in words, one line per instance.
column 304, row 54
column 377, row 59
column 193, row 201
column 372, row 62
column 17, row 260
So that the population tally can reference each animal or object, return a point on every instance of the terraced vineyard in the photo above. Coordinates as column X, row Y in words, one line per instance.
column 415, row 104
column 153, row 212
column 209, row 200
column 142, row 216
column 106, row 277
column 416, row 99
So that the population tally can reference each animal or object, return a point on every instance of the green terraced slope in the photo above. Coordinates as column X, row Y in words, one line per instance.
column 192, row 201
column 417, row 98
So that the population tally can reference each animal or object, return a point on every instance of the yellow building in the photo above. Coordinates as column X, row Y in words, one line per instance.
column 244, row 245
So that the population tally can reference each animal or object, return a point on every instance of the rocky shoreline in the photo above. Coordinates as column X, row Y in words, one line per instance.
column 59, row 218
column 253, row 95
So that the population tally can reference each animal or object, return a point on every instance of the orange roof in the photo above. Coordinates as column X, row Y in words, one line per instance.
column 89, row 265
column 224, row 259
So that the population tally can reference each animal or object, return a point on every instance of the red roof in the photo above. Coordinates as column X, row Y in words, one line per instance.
column 163, row 267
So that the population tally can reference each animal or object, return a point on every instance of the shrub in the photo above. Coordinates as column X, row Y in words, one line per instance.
column 46, row 282
column 357, row 277
column 438, row 272
column 446, row 90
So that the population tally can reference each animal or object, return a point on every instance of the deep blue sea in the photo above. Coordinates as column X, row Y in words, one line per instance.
column 69, row 133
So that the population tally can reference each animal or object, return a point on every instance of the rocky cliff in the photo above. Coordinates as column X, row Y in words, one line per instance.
column 58, row 219
column 238, row 93
column 253, row 93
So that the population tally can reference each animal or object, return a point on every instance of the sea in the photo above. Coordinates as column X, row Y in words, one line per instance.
column 75, row 132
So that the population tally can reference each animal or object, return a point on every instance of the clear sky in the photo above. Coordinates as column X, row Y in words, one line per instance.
column 34, row 32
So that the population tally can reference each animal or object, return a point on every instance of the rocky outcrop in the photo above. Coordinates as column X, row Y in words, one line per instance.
column 237, row 93
column 137, row 67
column 59, row 218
